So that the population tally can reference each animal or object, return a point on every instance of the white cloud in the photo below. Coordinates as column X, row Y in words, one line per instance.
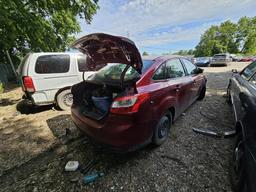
column 143, row 19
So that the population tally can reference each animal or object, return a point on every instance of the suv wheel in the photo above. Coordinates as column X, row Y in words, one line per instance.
column 237, row 166
column 65, row 100
column 162, row 130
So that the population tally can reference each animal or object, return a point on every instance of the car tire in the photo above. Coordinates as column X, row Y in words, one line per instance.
column 202, row 93
column 64, row 100
column 237, row 171
column 162, row 129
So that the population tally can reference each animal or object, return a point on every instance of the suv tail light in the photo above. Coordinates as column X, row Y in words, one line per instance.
column 128, row 104
column 28, row 84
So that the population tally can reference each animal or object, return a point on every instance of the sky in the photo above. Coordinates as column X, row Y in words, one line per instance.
column 163, row 26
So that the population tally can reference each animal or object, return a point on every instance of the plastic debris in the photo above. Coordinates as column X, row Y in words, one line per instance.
column 71, row 166
column 91, row 178
column 215, row 134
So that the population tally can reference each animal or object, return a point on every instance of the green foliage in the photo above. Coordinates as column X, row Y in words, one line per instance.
column 229, row 37
column 145, row 53
column 41, row 25
column 184, row 52
column 1, row 87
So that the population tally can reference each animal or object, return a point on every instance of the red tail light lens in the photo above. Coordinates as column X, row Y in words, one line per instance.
column 28, row 84
column 128, row 104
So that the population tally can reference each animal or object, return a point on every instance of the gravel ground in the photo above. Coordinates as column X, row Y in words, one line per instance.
column 35, row 146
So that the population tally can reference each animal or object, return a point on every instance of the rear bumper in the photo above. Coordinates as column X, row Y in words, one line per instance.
column 119, row 133
column 220, row 63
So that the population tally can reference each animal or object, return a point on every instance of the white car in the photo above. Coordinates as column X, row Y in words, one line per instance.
column 221, row 59
column 48, row 76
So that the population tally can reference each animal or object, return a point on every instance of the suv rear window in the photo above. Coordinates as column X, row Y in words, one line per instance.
column 52, row 64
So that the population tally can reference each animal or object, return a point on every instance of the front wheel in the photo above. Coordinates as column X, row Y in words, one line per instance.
column 162, row 130
column 65, row 100
column 202, row 93
column 237, row 174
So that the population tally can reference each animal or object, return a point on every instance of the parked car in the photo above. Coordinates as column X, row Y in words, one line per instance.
column 202, row 61
column 132, row 101
column 241, row 93
column 47, row 77
column 247, row 59
column 222, row 59
column 234, row 57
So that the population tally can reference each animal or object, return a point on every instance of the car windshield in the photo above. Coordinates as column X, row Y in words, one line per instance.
column 113, row 71
column 202, row 58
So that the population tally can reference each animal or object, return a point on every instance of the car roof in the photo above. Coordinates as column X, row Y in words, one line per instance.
column 161, row 57
column 55, row 53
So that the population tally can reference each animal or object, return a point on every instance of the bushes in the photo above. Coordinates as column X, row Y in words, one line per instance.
column 1, row 87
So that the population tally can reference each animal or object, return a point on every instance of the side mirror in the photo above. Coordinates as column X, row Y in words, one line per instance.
column 199, row 70
column 234, row 71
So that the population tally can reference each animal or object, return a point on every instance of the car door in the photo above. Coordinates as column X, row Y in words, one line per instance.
column 195, row 84
column 250, row 132
column 243, row 95
column 178, row 82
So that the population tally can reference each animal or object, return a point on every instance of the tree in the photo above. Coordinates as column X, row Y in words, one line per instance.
column 145, row 53
column 229, row 37
column 184, row 52
column 247, row 35
column 36, row 25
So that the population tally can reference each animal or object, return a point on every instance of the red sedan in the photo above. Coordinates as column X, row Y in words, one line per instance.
column 130, row 101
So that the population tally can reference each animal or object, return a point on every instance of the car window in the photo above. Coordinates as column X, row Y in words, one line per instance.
column 146, row 65
column 174, row 69
column 253, row 79
column 52, row 64
column 249, row 70
column 81, row 61
column 189, row 66
column 160, row 73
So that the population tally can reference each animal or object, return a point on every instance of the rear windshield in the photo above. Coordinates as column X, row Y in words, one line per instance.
column 113, row 71
column 146, row 65
column 220, row 56
column 52, row 64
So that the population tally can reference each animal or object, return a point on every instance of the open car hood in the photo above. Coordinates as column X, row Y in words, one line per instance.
column 102, row 48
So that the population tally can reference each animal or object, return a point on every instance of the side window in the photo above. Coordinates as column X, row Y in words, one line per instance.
column 189, row 66
column 160, row 73
column 253, row 79
column 81, row 61
column 249, row 70
column 52, row 64
column 174, row 69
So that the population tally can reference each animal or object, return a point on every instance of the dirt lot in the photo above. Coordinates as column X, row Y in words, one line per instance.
column 35, row 144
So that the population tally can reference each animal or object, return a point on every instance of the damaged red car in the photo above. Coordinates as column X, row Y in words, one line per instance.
column 130, row 102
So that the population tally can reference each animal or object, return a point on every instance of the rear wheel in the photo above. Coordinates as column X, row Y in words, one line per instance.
column 65, row 99
column 162, row 130
column 237, row 174
column 202, row 93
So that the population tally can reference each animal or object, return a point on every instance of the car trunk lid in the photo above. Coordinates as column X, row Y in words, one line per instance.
column 104, row 48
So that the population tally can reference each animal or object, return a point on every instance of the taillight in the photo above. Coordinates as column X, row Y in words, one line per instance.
column 28, row 84
column 128, row 104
